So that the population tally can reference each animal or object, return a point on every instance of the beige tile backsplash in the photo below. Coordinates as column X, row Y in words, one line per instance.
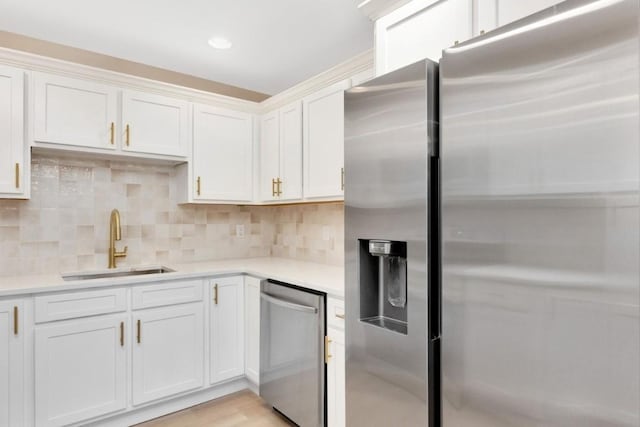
column 64, row 227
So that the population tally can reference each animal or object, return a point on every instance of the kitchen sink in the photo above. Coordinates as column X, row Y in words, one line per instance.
column 107, row 274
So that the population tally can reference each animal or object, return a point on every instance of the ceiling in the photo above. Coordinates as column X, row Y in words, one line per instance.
column 276, row 43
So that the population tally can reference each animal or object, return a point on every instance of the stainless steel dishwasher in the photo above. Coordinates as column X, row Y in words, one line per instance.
column 292, row 368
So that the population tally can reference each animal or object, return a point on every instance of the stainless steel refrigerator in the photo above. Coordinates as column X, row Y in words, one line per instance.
column 540, row 221
column 391, row 163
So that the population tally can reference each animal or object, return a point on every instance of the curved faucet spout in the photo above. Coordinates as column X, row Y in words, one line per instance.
column 115, row 233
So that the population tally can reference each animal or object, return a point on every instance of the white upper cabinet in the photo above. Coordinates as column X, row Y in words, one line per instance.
column 281, row 154
column 154, row 124
column 12, row 142
column 290, row 185
column 269, row 156
column 491, row 14
column 420, row 29
column 222, row 155
column 227, row 328
column 11, row 363
column 74, row 112
column 323, row 143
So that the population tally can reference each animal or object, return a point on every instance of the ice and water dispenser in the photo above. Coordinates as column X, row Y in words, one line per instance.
column 383, row 284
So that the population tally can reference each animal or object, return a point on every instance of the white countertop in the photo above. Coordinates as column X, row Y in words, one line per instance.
column 320, row 277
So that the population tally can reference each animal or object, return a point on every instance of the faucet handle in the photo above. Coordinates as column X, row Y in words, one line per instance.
column 123, row 253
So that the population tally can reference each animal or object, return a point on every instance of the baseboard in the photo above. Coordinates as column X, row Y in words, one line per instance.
column 139, row 415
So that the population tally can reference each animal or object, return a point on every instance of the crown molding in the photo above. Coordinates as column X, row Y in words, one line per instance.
column 360, row 63
column 33, row 62
column 354, row 66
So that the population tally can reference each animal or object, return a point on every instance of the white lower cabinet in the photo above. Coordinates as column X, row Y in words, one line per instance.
column 168, row 351
column 80, row 369
column 226, row 328
column 336, row 379
column 252, row 329
column 11, row 363
column 335, row 363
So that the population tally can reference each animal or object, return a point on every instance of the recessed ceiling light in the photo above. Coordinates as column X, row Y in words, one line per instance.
column 219, row 43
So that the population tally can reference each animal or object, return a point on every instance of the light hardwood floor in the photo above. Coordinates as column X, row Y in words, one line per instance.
column 242, row 409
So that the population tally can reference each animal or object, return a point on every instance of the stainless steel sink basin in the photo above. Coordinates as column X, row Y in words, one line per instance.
column 107, row 274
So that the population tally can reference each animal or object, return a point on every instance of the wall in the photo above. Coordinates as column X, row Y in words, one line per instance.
column 65, row 225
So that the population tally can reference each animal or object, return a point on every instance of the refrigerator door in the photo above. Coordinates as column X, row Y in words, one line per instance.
column 540, row 214
column 388, row 123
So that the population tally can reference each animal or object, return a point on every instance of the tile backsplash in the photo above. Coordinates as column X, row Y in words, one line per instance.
column 65, row 225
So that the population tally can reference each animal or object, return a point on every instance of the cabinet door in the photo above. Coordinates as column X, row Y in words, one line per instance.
column 269, row 155
column 168, row 351
column 227, row 328
column 74, row 112
column 12, row 141
column 154, row 124
column 252, row 328
column 291, row 151
column 512, row 10
column 222, row 154
column 323, row 139
column 420, row 29
column 336, row 379
column 11, row 363
column 80, row 370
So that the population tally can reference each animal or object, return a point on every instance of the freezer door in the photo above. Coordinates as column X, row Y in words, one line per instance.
column 292, row 370
column 540, row 195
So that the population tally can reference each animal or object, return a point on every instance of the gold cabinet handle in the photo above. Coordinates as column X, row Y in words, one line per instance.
column 15, row 320
column 126, row 133
column 279, row 187
column 273, row 187
column 215, row 294
column 121, row 334
column 198, row 181
column 138, row 335
column 340, row 316
column 112, row 135
column 342, row 179
column 327, row 354
column 17, row 175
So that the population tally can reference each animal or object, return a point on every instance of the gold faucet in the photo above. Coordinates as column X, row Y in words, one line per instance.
column 115, row 233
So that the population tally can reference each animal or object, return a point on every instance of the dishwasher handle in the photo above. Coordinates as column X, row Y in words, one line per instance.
column 288, row 304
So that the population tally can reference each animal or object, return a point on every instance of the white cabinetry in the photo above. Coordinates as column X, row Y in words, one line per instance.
column 168, row 351
column 74, row 112
column 154, row 124
column 14, row 161
column 222, row 169
column 11, row 363
column 226, row 328
column 83, row 113
column 512, row 10
column 281, row 154
column 423, row 28
column 335, row 364
column 252, row 329
column 323, row 143
column 420, row 29
column 80, row 369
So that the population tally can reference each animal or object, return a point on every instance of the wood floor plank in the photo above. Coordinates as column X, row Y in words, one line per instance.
column 242, row 409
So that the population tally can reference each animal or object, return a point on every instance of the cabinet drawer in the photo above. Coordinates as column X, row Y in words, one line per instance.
column 335, row 313
column 167, row 293
column 69, row 305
